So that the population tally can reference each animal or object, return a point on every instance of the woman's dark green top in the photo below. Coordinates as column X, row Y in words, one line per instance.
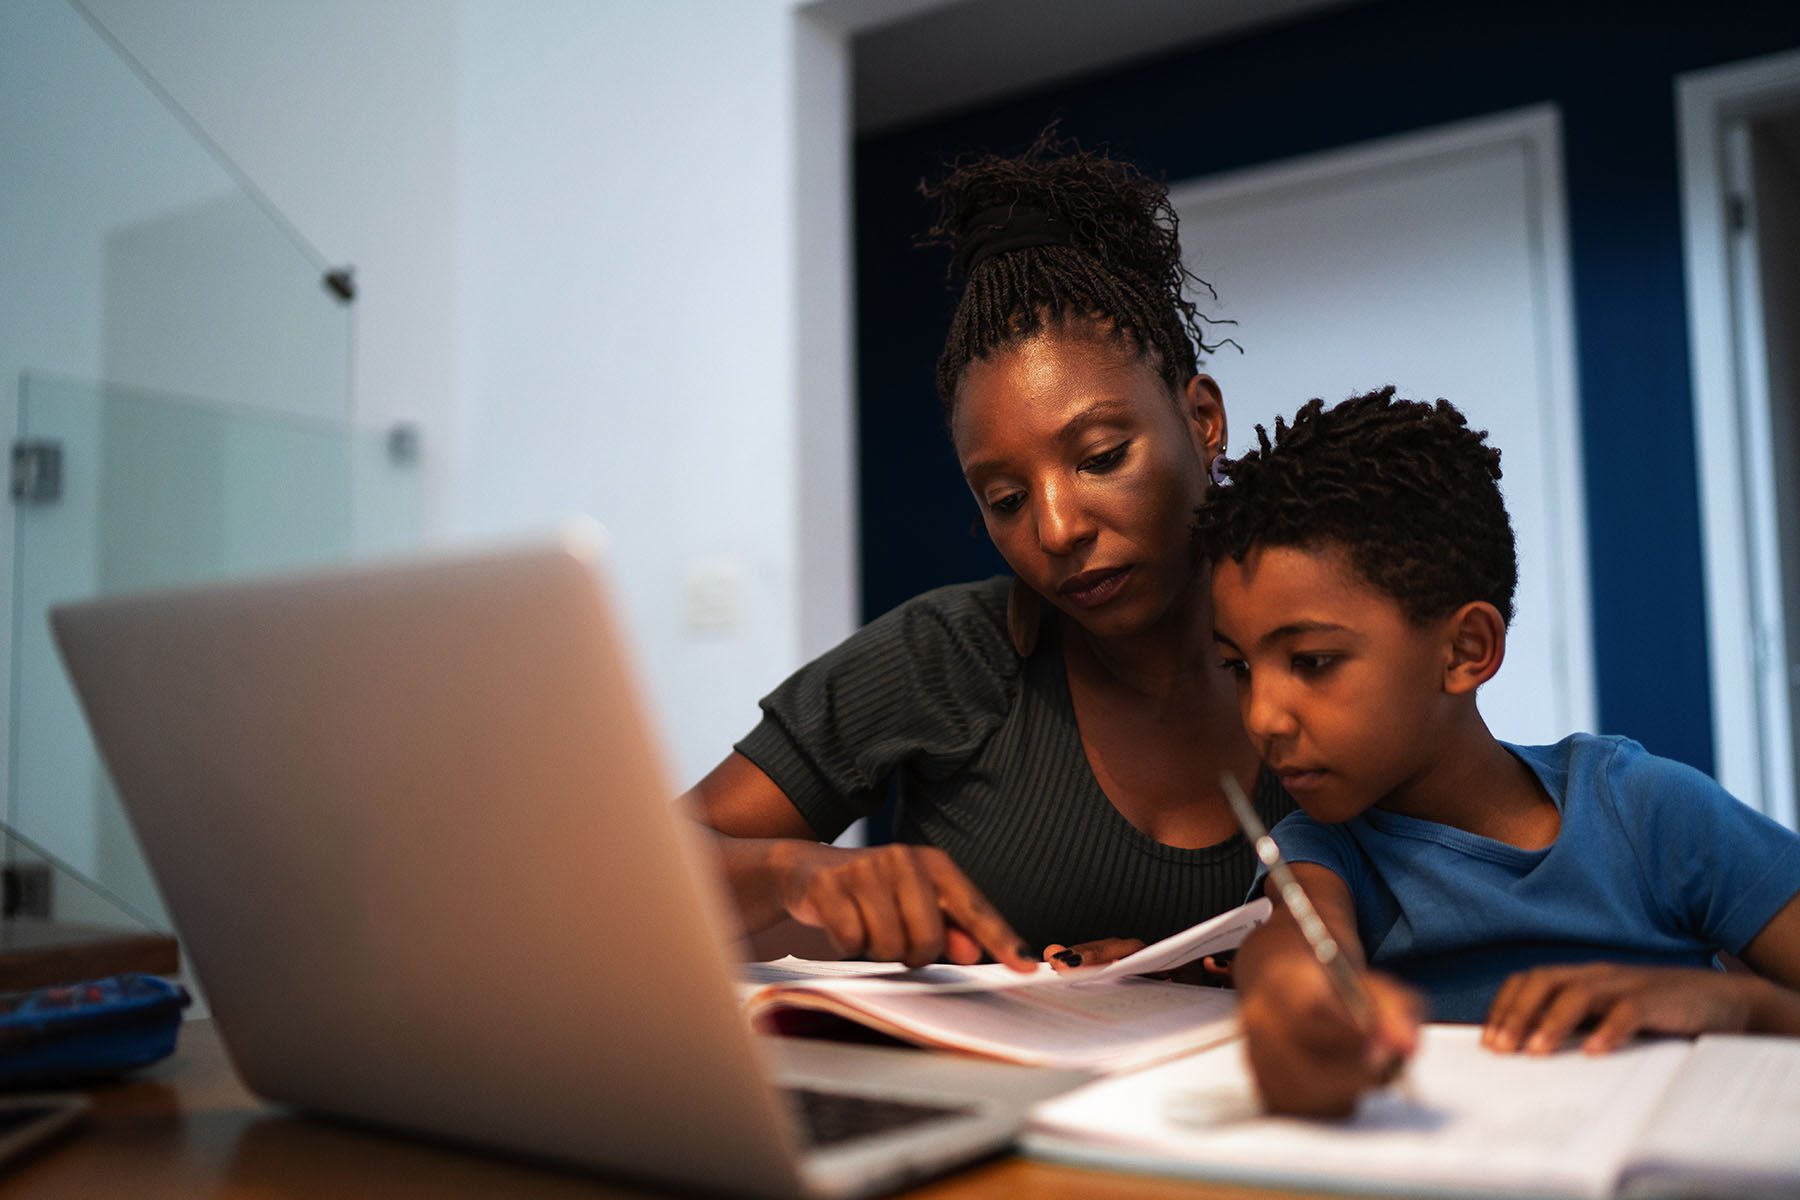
column 989, row 765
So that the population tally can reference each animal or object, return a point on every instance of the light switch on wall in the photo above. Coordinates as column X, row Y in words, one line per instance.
column 711, row 598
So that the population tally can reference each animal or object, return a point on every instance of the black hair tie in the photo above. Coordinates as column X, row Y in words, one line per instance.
column 1005, row 228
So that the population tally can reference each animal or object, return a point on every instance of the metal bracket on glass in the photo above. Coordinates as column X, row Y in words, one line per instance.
column 341, row 282
column 36, row 471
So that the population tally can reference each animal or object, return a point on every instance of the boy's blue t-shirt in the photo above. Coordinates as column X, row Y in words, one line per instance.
column 1655, row 864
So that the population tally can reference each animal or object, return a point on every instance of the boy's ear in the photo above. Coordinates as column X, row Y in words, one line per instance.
column 1477, row 647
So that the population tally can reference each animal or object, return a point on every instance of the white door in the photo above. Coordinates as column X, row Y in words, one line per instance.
column 1763, row 171
column 1436, row 262
column 1740, row 178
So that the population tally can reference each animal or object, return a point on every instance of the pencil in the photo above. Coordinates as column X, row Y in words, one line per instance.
column 1345, row 980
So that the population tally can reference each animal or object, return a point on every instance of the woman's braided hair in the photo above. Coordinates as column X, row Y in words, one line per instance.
column 1120, row 270
column 1406, row 489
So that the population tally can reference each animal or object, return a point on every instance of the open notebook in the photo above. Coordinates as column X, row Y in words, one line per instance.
column 1103, row 1019
column 1719, row 1116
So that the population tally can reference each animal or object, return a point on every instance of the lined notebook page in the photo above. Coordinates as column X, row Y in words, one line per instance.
column 888, row 979
column 1223, row 932
column 1474, row 1122
column 1128, row 1024
column 1732, row 1116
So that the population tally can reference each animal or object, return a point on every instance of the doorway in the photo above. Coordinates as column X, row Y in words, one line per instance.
column 1740, row 160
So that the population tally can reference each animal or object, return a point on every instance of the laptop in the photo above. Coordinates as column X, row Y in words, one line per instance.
column 419, row 841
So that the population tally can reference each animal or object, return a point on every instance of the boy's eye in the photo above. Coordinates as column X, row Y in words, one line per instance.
column 1106, row 460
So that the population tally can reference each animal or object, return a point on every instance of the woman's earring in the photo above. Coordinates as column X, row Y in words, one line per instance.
column 1024, row 613
column 1216, row 471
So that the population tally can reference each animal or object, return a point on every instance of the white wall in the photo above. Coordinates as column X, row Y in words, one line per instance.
column 627, row 311
column 573, row 224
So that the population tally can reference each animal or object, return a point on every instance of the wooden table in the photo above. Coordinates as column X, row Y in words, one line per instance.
column 36, row 952
column 188, row 1128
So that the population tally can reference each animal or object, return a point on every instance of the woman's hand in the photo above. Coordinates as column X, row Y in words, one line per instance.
column 1210, row 971
column 894, row 903
column 1535, row 1011
column 1090, row 954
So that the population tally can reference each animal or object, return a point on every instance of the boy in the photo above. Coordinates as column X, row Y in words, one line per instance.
column 1363, row 575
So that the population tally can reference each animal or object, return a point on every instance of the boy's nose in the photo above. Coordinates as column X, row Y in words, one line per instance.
column 1266, row 718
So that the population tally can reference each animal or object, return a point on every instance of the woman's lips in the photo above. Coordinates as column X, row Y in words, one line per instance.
column 1300, row 779
column 1090, row 589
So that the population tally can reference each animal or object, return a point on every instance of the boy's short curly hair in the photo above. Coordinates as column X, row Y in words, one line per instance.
column 1406, row 489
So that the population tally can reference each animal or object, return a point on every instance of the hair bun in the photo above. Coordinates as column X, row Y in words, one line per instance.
column 1105, row 207
column 1071, row 232
column 1001, row 229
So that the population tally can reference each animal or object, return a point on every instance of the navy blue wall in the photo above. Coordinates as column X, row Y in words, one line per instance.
column 1347, row 76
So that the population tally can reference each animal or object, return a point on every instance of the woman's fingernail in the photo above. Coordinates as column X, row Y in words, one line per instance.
column 1068, row 958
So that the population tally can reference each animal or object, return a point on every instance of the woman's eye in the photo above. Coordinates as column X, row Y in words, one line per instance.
column 1007, row 503
column 1106, row 460
column 1312, row 664
column 1236, row 666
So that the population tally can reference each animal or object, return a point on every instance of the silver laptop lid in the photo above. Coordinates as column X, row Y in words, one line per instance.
column 415, row 833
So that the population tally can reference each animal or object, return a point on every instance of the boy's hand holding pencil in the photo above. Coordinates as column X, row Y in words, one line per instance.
column 1319, row 1031
column 1309, row 1055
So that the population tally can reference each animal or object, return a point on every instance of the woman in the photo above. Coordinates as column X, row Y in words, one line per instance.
column 1054, row 736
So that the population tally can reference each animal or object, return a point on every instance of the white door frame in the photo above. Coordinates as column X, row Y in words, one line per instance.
column 1539, row 130
column 1751, row 736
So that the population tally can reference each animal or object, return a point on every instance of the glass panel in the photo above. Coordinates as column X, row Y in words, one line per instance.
column 155, row 490
column 134, row 252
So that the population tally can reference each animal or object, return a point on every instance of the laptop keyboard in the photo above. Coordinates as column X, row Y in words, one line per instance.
column 827, row 1118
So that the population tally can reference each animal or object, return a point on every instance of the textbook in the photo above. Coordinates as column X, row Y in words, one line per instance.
column 1100, row 1019
column 1717, row 1116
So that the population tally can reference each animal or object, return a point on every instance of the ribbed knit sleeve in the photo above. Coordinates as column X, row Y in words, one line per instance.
column 923, row 685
